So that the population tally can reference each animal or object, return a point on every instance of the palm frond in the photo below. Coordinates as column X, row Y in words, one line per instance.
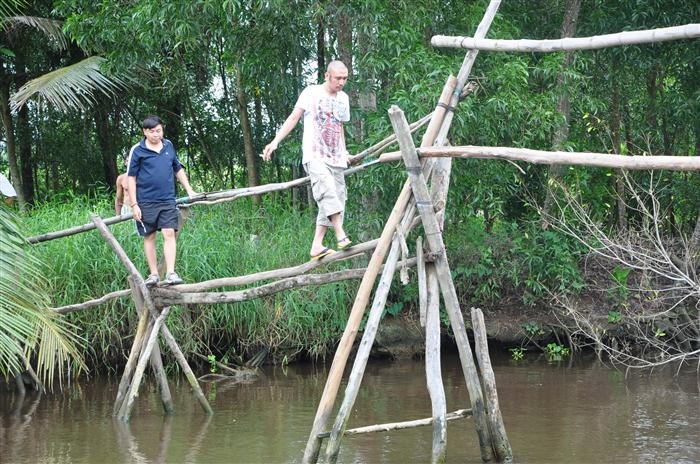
column 11, row 7
column 28, row 328
column 72, row 87
column 50, row 27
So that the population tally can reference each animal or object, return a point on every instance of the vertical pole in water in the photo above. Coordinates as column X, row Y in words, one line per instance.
column 433, row 369
column 498, row 430
column 434, row 238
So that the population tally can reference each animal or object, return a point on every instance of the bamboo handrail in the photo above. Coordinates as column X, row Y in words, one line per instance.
column 604, row 160
column 665, row 34
column 234, row 194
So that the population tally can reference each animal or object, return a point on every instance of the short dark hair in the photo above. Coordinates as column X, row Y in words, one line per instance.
column 151, row 121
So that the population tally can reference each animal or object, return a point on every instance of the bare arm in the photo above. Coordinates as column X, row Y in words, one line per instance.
column 119, row 198
column 284, row 131
column 134, row 206
column 182, row 178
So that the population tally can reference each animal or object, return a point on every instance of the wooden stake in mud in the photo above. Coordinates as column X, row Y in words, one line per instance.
column 437, row 247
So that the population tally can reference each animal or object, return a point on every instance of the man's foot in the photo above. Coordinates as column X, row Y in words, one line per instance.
column 322, row 253
column 171, row 278
column 151, row 280
column 344, row 242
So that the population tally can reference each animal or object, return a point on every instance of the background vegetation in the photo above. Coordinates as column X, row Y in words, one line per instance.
column 224, row 75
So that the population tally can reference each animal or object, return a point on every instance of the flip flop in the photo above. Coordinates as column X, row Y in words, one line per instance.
column 324, row 252
column 344, row 243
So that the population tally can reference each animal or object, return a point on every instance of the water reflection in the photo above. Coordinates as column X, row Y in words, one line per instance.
column 584, row 412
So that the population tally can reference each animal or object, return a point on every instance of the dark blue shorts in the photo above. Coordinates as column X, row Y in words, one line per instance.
column 157, row 216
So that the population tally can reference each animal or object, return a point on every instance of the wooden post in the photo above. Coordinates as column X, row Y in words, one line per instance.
column 131, row 362
column 422, row 285
column 128, row 403
column 498, row 430
column 434, row 238
column 156, row 358
column 433, row 370
column 167, row 336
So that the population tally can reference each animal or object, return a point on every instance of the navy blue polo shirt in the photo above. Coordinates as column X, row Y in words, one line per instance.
column 154, row 172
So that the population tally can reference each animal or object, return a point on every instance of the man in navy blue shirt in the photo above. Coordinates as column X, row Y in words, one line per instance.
column 152, row 169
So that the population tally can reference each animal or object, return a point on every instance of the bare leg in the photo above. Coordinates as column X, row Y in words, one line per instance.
column 149, row 249
column 169, row 249
column 317, row 245
column 337, row 221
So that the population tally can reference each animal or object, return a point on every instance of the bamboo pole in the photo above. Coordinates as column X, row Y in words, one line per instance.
column 422, row 284
column 501, row 445
column 233, row 281
column 674, row 163
column 371, row 326
column 465, row 69
column 346, row 341
column 433, row 369
column 169, row 296
column 125, row 410
column 167, row 336
column 434, row 238
column 279, row 273
column 130, row 363
column 665, row 34
column 335, row 373
column 459, row 414
column 92, row 303
column 156, row 358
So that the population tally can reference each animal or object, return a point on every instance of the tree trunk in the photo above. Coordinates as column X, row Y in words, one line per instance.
column 8, row 125
column 24, row 136
column 615, row 129
column 321, row 45
column 344, row 33
column 250, row 162
column 568, row 29
column 107, row 145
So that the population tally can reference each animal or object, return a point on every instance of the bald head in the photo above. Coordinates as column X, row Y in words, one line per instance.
column 336, row 66
column 336, row 77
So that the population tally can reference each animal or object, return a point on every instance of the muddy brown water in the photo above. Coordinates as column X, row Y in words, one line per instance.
column 567, row 412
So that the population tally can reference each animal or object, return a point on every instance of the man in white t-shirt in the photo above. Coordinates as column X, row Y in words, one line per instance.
column 325, row 108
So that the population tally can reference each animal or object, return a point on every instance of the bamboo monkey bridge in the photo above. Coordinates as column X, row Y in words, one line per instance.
column 427, row 165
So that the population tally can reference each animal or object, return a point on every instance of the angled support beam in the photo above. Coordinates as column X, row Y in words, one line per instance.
column 449, row 294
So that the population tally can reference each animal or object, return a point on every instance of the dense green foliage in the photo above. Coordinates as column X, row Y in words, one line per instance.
column 202, row 65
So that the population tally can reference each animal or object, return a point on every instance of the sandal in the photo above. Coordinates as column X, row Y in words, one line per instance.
column 322, row 253
column 344, row 243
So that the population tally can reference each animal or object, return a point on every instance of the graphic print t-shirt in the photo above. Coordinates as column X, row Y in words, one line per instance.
column 324, row 116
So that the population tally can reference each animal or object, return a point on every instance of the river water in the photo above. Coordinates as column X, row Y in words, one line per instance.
column 567, row 412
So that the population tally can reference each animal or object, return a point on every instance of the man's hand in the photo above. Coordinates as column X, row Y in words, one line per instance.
column 136, row 211
column 267, row 151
